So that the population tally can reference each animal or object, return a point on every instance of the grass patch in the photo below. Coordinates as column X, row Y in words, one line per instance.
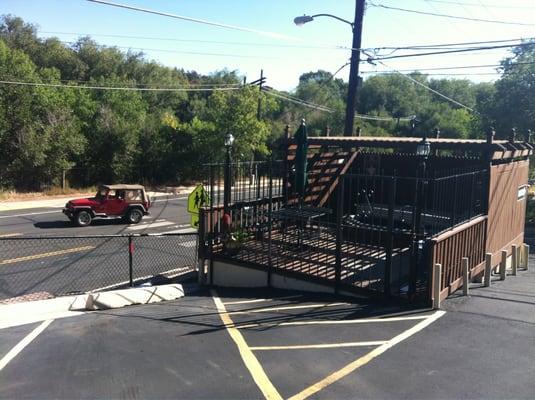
column 54, row 191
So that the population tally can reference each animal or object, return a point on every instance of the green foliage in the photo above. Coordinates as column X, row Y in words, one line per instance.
column 166, row 137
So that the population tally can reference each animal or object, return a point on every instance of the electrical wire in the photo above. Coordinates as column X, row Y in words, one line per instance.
column 122, row 88
column 477, row 5
column 470, row 49
column 183, row 51
column 447, row 15
column 255, row 44
column 197, row 20
column 459, row 67
column 298, row 101
column 430, row 89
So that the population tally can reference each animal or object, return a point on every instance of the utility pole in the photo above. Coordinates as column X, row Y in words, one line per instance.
column 261, row 81
column 354, row 68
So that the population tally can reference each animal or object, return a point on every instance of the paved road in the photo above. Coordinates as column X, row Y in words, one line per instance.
column 167, row 214
column 53, row 266
column 252, row 344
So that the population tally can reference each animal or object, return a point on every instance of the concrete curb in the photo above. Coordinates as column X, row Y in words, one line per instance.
column 127, row 297
column 70, row 306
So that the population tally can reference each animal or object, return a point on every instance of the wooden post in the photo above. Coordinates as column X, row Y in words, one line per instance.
column 526, row 256
column 488, row 269
column 503, row 264
column 514, row 260
column 466, row 276
column 437, row 277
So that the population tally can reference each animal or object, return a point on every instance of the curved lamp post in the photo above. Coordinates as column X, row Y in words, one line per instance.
column 356, row 27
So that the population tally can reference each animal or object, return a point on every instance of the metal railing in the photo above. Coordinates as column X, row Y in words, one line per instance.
column 372, row 234
column 47, row 266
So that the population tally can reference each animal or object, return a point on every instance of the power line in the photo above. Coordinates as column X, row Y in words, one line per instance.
column 480, row 4
column 433, row 53
column 457, row 67
column 305, row 103
column 197, row 20
column 493, row 21
column 181, row 51
column 298, row 101
column 122, row 88
column 441, row 45
column 255, row 44
column 428, row 88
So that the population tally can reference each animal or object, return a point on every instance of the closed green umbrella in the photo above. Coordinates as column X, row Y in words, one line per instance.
column 301, row 139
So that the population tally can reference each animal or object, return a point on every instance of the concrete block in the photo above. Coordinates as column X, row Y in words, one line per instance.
column 127, row 297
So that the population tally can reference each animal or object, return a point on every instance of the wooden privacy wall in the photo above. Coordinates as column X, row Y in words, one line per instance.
column 506, row 213
column 448, row 250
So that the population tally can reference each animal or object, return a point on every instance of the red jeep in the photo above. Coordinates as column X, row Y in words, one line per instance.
column 129, row 202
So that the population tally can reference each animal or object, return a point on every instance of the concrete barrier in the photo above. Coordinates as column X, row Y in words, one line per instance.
column 127, row 297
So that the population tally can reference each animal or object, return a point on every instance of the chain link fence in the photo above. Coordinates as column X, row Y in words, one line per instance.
column 44, row 267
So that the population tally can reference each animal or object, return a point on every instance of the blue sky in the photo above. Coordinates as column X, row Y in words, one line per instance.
column 172, row 42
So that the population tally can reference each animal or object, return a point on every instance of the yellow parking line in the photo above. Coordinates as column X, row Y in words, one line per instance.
column 7, row 235
column 49, row 254
column 251, row 362
column 320, row 346
column 268, row 309
column 262, row 300
column 334, row 322
column 311, row 390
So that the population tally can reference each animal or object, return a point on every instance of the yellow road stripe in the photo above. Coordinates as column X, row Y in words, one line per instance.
column 43, row 255
column 251, row 362
column 320, row 346
column 334, row 322
column 268, row 309
column 366, row 358
column 10, row 235
column 262, row 300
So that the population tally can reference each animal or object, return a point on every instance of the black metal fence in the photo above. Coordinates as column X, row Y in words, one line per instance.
column 48, row 266
column 372, row 234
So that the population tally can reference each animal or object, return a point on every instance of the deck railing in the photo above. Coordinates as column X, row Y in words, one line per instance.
column 448, row 250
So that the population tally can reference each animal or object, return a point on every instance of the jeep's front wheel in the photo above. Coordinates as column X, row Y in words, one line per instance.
column 83, row 218
column 134, row 216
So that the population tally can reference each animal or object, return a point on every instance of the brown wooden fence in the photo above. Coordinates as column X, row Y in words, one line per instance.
column 466, row 240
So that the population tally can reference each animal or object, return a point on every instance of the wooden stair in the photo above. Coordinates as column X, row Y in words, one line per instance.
column 325, row 165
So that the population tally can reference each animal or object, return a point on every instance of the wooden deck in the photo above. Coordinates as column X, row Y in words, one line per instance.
column 313, row 254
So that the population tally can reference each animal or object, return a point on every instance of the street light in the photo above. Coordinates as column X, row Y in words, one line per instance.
column 229, row 140
column 300, row 21
column 356, row 27
column 423, row 150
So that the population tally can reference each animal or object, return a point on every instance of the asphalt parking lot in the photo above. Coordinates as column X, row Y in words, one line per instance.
column 244, row 344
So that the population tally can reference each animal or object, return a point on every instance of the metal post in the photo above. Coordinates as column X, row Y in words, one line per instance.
column 339, row 213
column 270, row 259
column 354, row 68
column 228, row 184
column 466, row 276
column 503, row 264
column 488, row 269
column 514, row 260
column 130, row 261
column 437, row 278
column 390, row 236
column 285, row 171
column 260, row 97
